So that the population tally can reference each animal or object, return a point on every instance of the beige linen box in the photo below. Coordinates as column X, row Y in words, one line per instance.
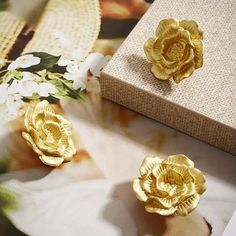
column 204, row 105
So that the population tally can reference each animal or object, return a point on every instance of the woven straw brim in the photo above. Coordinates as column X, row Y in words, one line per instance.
column 78, row 20
column 10, row 29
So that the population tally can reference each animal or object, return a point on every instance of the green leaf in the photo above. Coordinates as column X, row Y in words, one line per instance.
column 61, row 96
column 47, row 62
column 82, row 95
column 65, row 90
column 57, row 69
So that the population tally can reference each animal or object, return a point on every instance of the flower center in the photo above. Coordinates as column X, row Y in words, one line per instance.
column 168, row 187
column 53, row 134
column 175, row 51
column 170, row 182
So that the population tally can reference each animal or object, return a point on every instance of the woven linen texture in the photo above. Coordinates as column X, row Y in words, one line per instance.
column 203, row 105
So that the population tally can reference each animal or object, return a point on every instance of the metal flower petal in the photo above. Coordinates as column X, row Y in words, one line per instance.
column 49, row 134
column 148, row 164
column 176, row 50
column 165, row 24
column 179, row 159
column 172, row 186
column 188, row 205
column 193, row 28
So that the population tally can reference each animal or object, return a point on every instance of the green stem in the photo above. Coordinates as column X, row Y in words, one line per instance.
column 72, row 91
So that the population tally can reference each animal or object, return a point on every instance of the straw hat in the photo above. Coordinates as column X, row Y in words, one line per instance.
column 68, row 28
column 10, row 29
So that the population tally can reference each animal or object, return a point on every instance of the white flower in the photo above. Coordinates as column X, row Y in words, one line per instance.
column 72, row 68
column 28, row 76
column 27, row 86
column 96, row 62
column 10, row 109
column 77, row 75
column 23, row 87
column 9, row 104
column 11, row 95
column 81, row 79
column 70, row 76
column 13, row 104
column 24, row 62
column 61, row 37
column 45, row 89
column 71, row 73
column 3, row 93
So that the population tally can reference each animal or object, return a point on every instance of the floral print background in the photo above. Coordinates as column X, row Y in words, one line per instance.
column 92, row 195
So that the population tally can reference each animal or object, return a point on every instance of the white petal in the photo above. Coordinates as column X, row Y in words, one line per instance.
column 14, row 65
column 71, row 68
column 15, row 87
column 96, row 68
column 43, row 93
column 82, row 73
column 24, row 62
column 68, row 76
column 80, row 79
column 13, row 105
column 30, row 61
column 3, row 93
column 49, row 87
column 93, row 59
column 45, row 89
column 4, row 118
column 86, row 207
column 27, row 75
column 16, row 97
column 29, row 88
column 3, row 87
column 96, row 62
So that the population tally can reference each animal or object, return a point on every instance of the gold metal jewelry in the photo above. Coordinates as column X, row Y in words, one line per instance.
column 169, row 187
column 49, row 134
column 176, row 50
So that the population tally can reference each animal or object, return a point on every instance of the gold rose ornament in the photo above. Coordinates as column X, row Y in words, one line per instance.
column 176, row 50
column 169, row 187
column 49, row 134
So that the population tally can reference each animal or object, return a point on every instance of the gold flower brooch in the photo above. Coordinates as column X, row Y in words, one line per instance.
column 169, row 187
column 176, row 50
column 49, row 134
